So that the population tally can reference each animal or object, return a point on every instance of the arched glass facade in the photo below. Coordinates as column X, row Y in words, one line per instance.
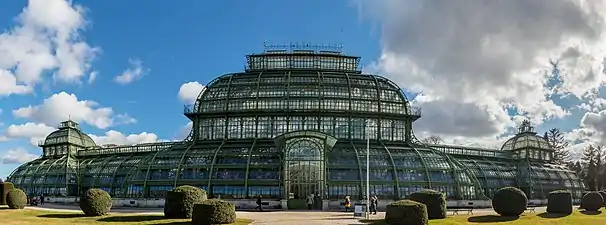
column 291, row 125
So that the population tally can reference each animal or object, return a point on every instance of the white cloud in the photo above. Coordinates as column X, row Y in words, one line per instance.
column 188, row 92
column 16, row 156
column 63, row 106
column 134, row 72
column 92, row 77
column 184, row 131
column 34, row 131
column 477, row 61
column 118, row 138
column 8, row 84
column 47, row 38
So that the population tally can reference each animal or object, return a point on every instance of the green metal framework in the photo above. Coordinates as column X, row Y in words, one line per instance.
column 244, row 127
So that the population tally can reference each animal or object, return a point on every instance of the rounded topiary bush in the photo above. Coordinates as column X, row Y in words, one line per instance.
column 406, row 212
column 434, row 200
column 592, row 201
column 214, row 211
column 559, row 202
column 603, row 194
column 5, row 187
column 181, row 200
column 509, row 201
column 95, row 202
column 16, row 199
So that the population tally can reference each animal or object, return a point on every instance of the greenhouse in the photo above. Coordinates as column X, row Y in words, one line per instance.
column 294, row 123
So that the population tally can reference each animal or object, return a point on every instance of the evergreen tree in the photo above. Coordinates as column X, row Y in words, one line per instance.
column 556, row 141
column 591, row 167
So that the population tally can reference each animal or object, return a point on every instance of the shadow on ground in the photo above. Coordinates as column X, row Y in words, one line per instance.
column 591, row 212
column 173, row 223
column 491, row 218
column 551, row 215
column 62, row 216
column 130, row 218
column 373, row 222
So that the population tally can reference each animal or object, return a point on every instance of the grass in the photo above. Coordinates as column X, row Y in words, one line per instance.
column 41, row 217
column 576, row 218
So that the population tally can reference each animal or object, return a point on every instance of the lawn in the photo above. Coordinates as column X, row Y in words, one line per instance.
column 576, row 218
column 41, row 217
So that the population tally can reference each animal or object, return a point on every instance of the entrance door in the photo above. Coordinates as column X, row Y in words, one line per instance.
column 304, row 167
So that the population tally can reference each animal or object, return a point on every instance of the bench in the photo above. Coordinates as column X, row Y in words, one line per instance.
column 531, row 207
column 456, row 210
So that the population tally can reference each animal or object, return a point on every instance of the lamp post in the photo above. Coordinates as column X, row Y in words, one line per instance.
column 367, row 170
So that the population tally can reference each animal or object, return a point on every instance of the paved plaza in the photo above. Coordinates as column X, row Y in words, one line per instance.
column 266, row 218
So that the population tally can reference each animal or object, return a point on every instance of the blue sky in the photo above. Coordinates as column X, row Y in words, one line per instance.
column 178, row 43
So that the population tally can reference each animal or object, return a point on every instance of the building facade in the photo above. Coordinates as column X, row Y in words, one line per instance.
column 295, row 122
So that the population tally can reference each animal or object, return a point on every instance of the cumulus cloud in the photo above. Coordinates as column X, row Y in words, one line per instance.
column 184, row 131
column 33, row 131
column 118, row 138
column 188, row 92
column 46, row 38
column 63, row 106
column 16, row 156
column 487, row 59
column 134, row 72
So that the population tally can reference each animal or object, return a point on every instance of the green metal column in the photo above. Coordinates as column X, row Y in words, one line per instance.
column 212, row 166
column 180, row 166
column 360, row 192
column 395, row 171
column 250, row 151
column 111, row 185
column 424, row 164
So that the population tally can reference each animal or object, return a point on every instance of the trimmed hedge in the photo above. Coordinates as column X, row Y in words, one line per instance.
column 559, row 202
column 434, row 200
column 214, row 211
column 181, row 200
column 406, row 212
column 592, row 201
column 95, row 202
column 5, row 187
column 509, row 201
column 603, row 194
column 16, row 199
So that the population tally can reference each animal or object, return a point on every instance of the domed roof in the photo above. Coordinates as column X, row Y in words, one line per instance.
column 68, row 133
column 526, row 138
column 302, row 91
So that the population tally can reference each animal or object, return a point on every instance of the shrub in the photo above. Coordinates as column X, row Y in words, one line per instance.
column 434, row 200
column 181, row 200
column 214, row 211
column 509, row 201
column 95, row 202
column 559, row 202
column 5, row 187
column 603, row 194
column 16, row 199
column 406, row 212
column 592, row 201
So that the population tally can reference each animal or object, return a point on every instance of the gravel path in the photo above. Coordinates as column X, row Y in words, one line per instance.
column 267, row 218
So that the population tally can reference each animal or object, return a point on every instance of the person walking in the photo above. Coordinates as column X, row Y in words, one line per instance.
column 347, row 203
column 42, row 199
column 374, row 203
column 310, row 201
column 259, row 203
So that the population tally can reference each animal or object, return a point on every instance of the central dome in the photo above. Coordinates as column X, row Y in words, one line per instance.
column 526, row 138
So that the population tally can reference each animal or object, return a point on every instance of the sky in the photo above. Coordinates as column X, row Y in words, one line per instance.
column 124, row 71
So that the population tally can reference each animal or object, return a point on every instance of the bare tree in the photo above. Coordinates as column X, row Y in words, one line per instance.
column 432, row 140
column 556, row 141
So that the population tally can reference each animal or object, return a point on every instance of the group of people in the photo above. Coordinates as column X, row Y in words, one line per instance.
column 35, row 200
column 374, row 203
